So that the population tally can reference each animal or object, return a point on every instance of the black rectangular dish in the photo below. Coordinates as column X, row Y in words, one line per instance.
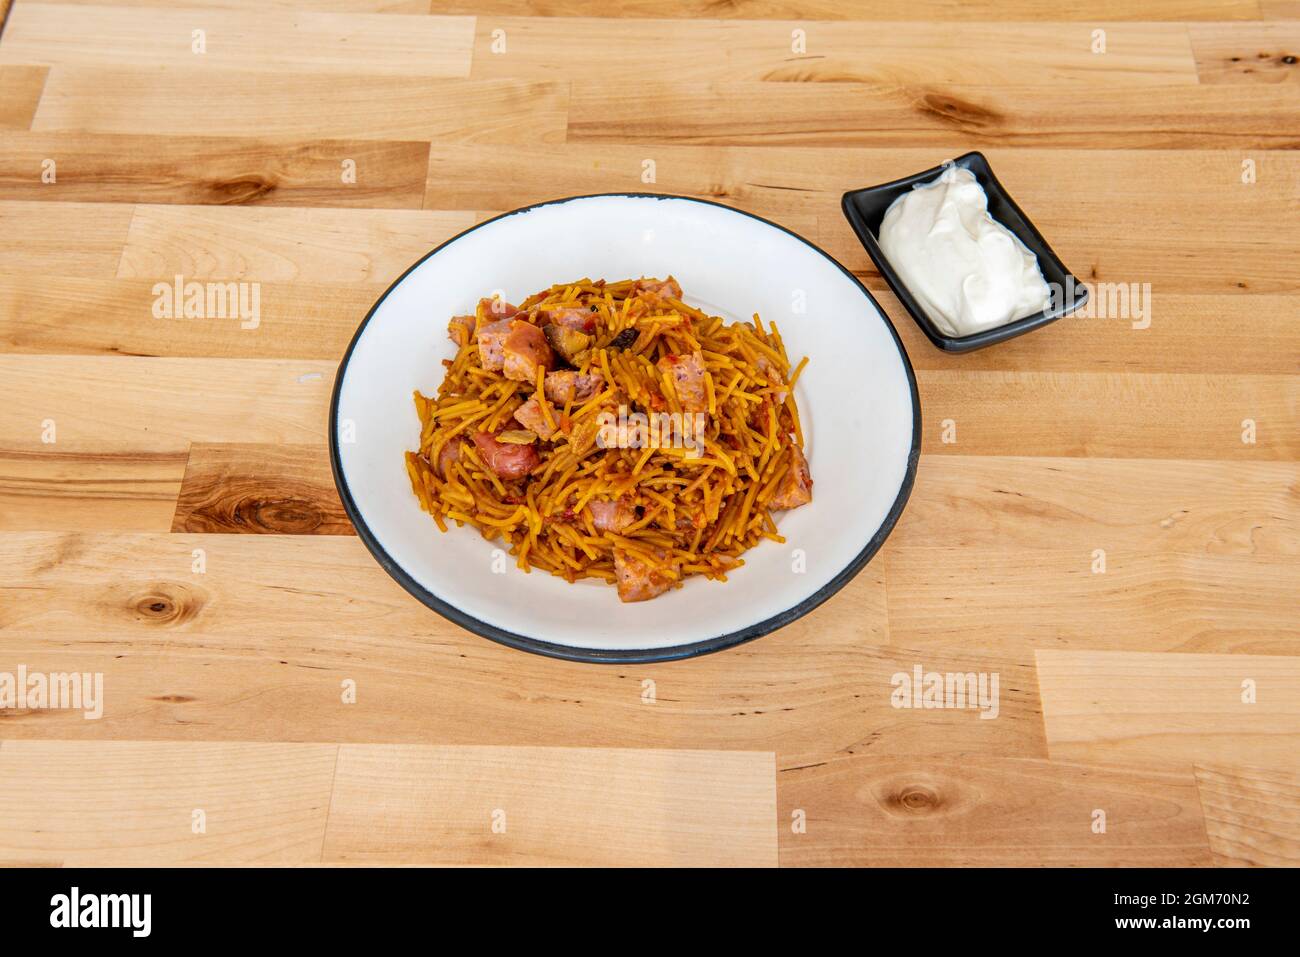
column 865, row 208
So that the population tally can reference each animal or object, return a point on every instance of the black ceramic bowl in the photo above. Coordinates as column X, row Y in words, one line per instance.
column 865, row 208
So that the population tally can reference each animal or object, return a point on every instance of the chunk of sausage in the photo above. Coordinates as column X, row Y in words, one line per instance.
column 530, row 416
column 577, row 318
column 795, row 487
column 637, row 581
column 447, row 455
column 497, row 309
column 687, row 374
column 491, row 344
column 525, row 352
column 565, row 386
column 612, row 516
column 658, row 288
column 506, row 460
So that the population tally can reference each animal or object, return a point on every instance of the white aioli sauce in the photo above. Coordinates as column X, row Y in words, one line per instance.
column 967, row 270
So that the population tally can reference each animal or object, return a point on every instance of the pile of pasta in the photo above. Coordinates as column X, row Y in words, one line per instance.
column 609, row 430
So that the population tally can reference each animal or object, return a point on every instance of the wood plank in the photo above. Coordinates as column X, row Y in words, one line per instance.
column 326, row 612
column 122, row 803
column 267, row 41
column 1164, row 710
column 55, row 490
column 904, row 53
column 160, row 405
column 20, row 91
column 1252, row 815
column 943, row 10
column 986, row 811
column 1279, row 9
column 1073, row 505
column 1247, row 52
column 71, row 239
column 402, row 804
column 55, row 315
column 281, row 245
column 109, row 168
column 991, row 597
column 188, row 101
column 265, row 489
column 1110, row 415
column 955, row 117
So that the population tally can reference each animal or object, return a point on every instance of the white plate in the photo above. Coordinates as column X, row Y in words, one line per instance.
column 857, row 402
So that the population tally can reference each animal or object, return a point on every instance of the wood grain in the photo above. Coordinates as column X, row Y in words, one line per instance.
column 1247, row 52
column 325, row 612
column 268, row 41
column 20, row 91
column 1171, row 710
column 1071, row 506
column 1050, row 598
column 187, row 101
column 70, row 239
column 55, row 490
column 552, row 806
column 281, row 245
column 1110, row 415
column 62, row 315
column 954, row 117
column 1252, row 815
column 266, row 489
column 986, row 811
column 902, row 53
column 132, row 803
column 939, row 10
column 221, row 171
column 160, row 405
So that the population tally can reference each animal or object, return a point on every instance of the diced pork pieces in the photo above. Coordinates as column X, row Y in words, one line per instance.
column 507, row 460
column 612, row 516
column 637, row 581
column 795, row 487
column 525, row 351
column 447, row 455
column 687, row 375
column 496, row 309
column 658, row 288
column 565, row 386
column 491, row 344
column 531, row 417
column 577, row 318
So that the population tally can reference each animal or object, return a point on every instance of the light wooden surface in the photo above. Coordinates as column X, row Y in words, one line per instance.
column 1159, row 693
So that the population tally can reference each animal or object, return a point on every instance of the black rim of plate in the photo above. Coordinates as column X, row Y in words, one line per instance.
column 628, row 655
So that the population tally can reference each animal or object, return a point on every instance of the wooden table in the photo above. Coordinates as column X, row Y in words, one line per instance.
column 1114, row 532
